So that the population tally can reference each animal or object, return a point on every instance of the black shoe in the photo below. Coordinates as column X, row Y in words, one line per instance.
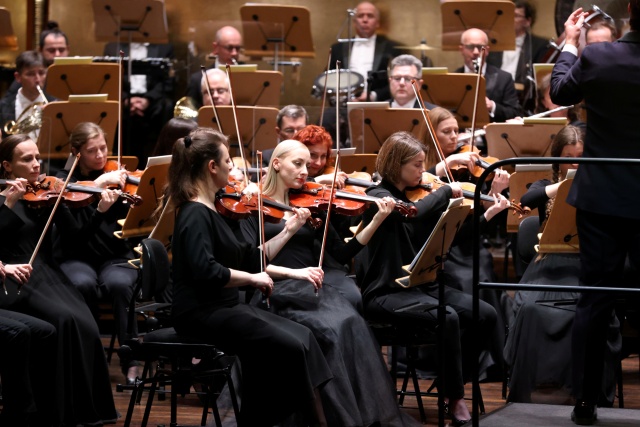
column 454, row 421
column 584, row 414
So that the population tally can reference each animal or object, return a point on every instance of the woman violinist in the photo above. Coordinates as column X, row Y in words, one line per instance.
column 95, row 261
column 282, row 365
column 82, row 389
column 361, row 393
column 400, row 162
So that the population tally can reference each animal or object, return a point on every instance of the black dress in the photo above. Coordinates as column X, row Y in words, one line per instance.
column 361, row 392
column 82, row 388
column 395, row 244
column 281, row 361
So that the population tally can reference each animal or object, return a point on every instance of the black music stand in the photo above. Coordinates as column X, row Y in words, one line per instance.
column 456, row 92
column 494, row 17
column 370, row 127
column 257, row 126
column 8, row 39
column 506, row 140
column 277, row 30
column 428, row 262
column 82, row 78
column 60, row 117
column 255, row 88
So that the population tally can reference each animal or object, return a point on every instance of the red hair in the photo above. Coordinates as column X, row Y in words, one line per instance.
column 314, row 135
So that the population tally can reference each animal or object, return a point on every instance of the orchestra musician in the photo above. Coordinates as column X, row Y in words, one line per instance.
column 96, row 262
column 226, row 49
column 282, row 365
column 360, row 393
column 501, row 98
column 81, row 390
column 173, row 130
column 218, row 82
column 26, row 368
column 607, row 77
column 290, row 119
column 400, row 162
column 402, row 70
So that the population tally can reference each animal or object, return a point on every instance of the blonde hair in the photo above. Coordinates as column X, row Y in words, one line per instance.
column 281, row 152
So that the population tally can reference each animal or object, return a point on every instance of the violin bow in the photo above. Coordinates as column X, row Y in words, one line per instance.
column 213, row 104
column 53, row 212
column 335, row 176
column 235, row 119
column 263, row 255
column 119, row 109
column 432, row 131
column 324, row 94
column 480, row 62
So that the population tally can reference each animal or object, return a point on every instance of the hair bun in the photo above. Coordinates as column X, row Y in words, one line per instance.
column 187, row 141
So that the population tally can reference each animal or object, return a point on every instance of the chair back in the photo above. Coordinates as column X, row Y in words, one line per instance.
column 527, row 239
column 156, row 271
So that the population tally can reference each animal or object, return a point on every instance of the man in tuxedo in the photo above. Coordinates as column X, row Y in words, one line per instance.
column 147, row 98
column 607, row 77
column 501, row 98
column 226, row 49
column 603, row 30
column 369, row 58
column 529, row 50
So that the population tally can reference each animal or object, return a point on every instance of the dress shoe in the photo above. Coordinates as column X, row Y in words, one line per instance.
column 584, row 414
column 455, row 422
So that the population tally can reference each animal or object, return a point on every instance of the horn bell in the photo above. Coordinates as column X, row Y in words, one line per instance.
column 185, row 109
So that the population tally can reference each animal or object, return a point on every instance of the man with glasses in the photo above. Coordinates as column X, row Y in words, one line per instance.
column 529, row 50
column 402, row 71
column 501, row 98
column 290, row 119
column 226, row 49
column 218, row 85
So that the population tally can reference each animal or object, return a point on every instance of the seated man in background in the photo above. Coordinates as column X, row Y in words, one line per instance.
column 402, row 71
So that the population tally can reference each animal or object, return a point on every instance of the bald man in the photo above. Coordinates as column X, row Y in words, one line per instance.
column 218, row 85
column 226, row 49
column 501, row 98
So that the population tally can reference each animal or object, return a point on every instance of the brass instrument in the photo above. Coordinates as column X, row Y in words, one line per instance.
column 29, row 120
column 185, row 109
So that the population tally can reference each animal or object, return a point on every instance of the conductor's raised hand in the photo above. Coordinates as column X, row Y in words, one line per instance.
column 573, row 27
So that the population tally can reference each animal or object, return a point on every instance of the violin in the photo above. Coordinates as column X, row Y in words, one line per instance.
column 133, row 178
column 432, row 183
column 230, row 202
column 482, row 163
column 79, row 194
column 315, row 197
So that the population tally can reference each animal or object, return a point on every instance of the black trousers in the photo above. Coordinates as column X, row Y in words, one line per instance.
column 27, row 364
column 605, row 243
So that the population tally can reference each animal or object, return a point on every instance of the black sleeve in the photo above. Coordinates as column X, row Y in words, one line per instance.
column 536, row 195
column 339, row 250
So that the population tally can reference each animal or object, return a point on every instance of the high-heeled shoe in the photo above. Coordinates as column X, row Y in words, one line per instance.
column 455, row 422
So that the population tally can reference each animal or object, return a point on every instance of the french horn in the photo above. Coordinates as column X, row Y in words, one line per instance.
column 185, row 109
column 28, row 121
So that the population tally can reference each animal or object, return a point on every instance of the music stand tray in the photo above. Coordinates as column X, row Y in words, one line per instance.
column 560, row 233
column 257, row 88
column 143, row 21
column 494, row 17
column 507, row 140
column 271, row 28
column 82, row 79
column 456, row 92
column 140, row 220
column 370, row 127
column 60, row 117
column 428, row 262
column 257, row 125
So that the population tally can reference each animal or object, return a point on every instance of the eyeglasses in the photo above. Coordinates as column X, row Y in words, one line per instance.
column 406, row 78
column 472, row 47
column 231, row 48
column 291, row 131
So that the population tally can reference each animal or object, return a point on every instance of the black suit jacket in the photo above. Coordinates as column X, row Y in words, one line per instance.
column 8, row 108
column 500, row 89
column 428, row 105
column 607, row 77
column 384, row 52
column 533, row 51
column 159, row 85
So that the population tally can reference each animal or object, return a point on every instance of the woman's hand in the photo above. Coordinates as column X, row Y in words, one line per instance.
column 456, row 190
column 500, row 181
column 315, row 275
column 18, row 272
column 467, row 159
column 328, row 179
column 299, row 218
column 262, row 282
column 107, row 199
column 385, row 207
column 500, row 203
column 14, row 191
column 118, row 177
